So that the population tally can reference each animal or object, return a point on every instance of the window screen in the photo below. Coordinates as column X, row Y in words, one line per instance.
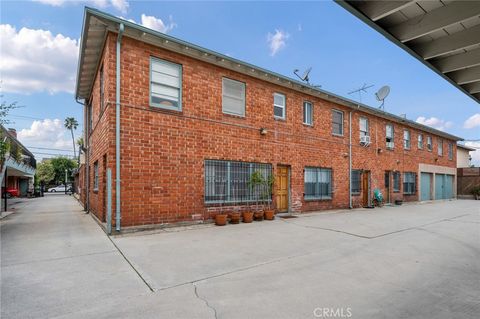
column 233, row 97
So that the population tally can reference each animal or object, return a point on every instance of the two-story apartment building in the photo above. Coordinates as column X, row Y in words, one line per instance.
column 183, row 128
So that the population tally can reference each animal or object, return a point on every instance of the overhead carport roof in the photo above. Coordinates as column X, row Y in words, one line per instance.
column 443, row 34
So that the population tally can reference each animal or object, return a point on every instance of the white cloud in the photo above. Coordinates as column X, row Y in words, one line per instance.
column 277, row 41
column 36, row 60
column 472, row 121
column 475, row 154
column 120, row 5
column 434, row 122
column 157, row 24
column 46, row 133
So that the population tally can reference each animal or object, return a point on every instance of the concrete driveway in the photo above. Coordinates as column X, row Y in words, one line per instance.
column 412, row 261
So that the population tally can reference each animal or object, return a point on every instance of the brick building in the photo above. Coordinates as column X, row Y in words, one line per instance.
column 193, row 125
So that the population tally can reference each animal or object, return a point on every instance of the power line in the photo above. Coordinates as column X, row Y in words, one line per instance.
column 49, row 149
column 52, row 154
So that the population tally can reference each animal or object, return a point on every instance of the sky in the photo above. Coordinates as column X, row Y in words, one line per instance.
column 39, row 56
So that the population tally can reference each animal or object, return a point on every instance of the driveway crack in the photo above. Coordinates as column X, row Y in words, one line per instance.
column 204, row 300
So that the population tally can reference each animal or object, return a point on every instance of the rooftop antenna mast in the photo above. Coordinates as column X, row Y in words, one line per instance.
column 381, row 95
column 361, row 90
column 305, row 76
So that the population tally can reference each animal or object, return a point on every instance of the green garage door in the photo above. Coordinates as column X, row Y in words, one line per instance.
column 448, row 187
column 426, row 186
column 443, row 186
column 439, row 186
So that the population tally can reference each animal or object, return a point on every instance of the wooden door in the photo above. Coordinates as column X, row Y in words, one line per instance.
column 366, row 188
column 282, row 188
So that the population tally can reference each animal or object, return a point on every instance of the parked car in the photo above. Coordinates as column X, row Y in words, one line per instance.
column 59, row 188
column 10, row 192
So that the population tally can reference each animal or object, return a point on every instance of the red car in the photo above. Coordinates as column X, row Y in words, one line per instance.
column 10, row 192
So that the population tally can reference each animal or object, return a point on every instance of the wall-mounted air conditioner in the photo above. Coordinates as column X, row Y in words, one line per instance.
column 365, row 140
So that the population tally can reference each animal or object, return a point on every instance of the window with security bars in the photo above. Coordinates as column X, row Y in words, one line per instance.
column 229, row 182
column 396, row 182
column 165, row 84
column 408, row 183
column 318, row 183
column 95, row 176
column 356, row 181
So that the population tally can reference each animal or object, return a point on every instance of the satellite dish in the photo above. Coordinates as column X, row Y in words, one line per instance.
column 306, row 73
column 382, row 93
column 304, row 77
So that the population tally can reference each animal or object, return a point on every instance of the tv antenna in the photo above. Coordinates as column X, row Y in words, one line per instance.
column 381, row 95
column 361, row 90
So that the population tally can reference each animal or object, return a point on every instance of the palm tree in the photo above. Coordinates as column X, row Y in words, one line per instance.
column 72, row 124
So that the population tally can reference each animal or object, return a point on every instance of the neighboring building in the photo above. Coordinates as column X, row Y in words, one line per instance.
column 18, row 166
column 463, row 155
column 194, row 125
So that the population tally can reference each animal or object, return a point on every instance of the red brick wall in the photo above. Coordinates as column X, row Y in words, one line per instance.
column 163, row 152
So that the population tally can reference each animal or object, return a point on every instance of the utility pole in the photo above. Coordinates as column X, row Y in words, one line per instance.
column 66, row 178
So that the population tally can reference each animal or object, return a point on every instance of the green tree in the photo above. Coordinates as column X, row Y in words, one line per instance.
column 45, row 172
column 72, row 124
column 60, row 164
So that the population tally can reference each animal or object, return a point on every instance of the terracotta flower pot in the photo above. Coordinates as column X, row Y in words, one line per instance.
column 221, row 219
column 234, row 218
column 247, row 217
column 269, row 214
column 258, row 215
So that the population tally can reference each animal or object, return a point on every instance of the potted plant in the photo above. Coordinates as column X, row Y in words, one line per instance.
column 269, row 212
column 476, row 192
column 256, row 181
column 234, row 216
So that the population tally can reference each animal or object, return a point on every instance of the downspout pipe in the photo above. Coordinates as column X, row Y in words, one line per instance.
column 118, row 215
column 86, row 181
column 350, row 161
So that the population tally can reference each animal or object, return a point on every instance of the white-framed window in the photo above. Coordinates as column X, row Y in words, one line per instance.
column 337, row 122
column 363, row 127
column 233, row 97
column 450, row 151
column 95, row 176
column 307, row 113
column 165, row 84
column 429, row 143
column 440, row 147
column 409, row 183
column 318, row 183
column 406, row 139
column 420, row 141
column 279, row 105
column 389, row 136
